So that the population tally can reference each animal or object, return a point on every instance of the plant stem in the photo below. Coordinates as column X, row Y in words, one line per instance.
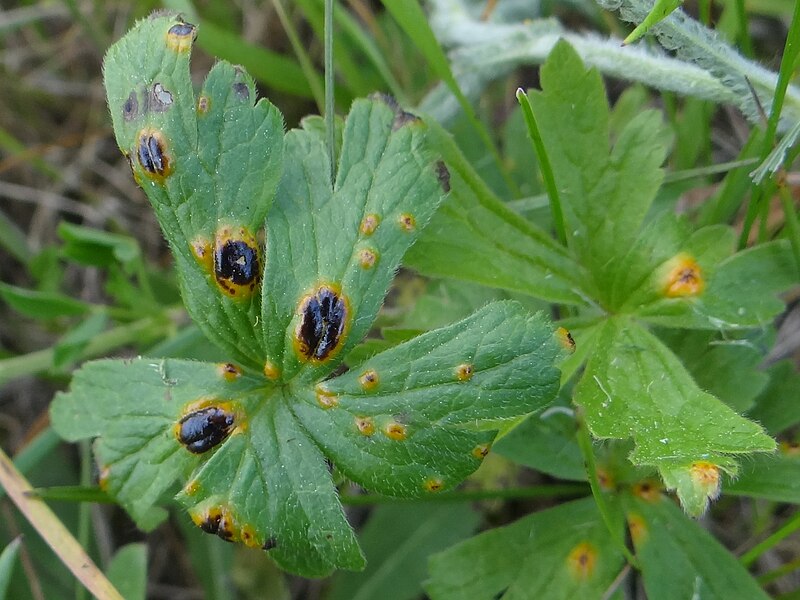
column 792, row 525
column 781, row 571
column 544, row 164
column 790, row 217
column 537, row 491
column 330, row 120
column 585, row 443
column 744, row 31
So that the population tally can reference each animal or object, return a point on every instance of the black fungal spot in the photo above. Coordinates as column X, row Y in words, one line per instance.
column 241, row 90
column 152, row 155
column 160, row 98
column 182, row 30
column 237, row 262
column 403, row 118
column 443, row 175
column 324, row 316
column 386, row 99
column 270, row 543
column 130, row 109
column 203, row 429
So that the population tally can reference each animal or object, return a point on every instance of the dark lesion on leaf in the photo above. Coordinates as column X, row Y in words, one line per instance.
column 205, row 428
column 270, row 543
column 130, row 108
column 239, row 87
column 181, row 36
column 160, row 98
column 237, row 264
column 152, row 154
column 443, row 175
column 324, row 316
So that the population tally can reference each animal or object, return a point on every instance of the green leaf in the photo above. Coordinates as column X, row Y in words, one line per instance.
column 546, row 442
column 573, row 117
column 560, row 553
column 778, row 407
column 265, row 485
column 90, row 246
column 661, row 9
column 775, row 477
column 128, row 571
column 72, row 344
column 345, row 243
column 475, row 237
column 679, row 559
column 418, row 417
column 8, row 558
column 635, row 387
column 209, row 167
column 41, row 305
column 397, row 541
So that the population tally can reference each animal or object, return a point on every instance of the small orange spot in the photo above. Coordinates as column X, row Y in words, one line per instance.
column 203, row 105
column 705, row 475
column 407, row 222
column 395, row 431
column 638, row 529
column 605, row 478
column 367, row 257
column 191, row 488
column 464, row 372
column 481, row 451
column 229, row 371
column 201, row 250
column 248, row 537
column 647, row 490
column 326, row 398
column 102, row 480
column 271, row 371
column 434, row 485
column 369, row 224
column 582, row 560
column 565, row 338
column 365, row 425
column 369, row 379
column 683, row 277
column 790, row 448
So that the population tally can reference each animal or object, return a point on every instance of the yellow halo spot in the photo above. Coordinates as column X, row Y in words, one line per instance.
column 203, row 105
column 201, row 250
column 565, row 338
column 605, row 478
column 271, row 371
column 706, row 477
column 464, row 372
column 790, row 448
column 395, row 431
column 647, row 490
column 249, row 537
column 229, row 371
column 582, row 560
column 638, row 529
column 682, row 277
column 434, row 484
column 407, row 222
column 102, row 480
column 325, row 398
column 191, row 488
column 367, row 258
column 369, row 379
column 369, row 224
column 481, row 451
column 365, row 425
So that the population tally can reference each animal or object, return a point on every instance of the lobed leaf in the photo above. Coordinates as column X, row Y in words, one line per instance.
column 209, row 167
column 419, row 417
column 560, row 553
column 349, row 238
column 635, row 387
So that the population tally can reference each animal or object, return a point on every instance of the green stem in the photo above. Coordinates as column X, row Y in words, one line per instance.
column 744, row 31
column 788, row 528
column 781, row 571
column 790, row 218
column 585, row 443
column 544, row 164
column 301, row 54
column 41, row 360
column 84, row 508
column 538, row 491
column 35, row 452
column 330, row 117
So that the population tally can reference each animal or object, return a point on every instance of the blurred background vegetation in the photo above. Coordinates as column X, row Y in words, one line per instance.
column 78, row 234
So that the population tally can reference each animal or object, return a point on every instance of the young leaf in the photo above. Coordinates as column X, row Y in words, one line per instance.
column 775, row 477
column 41, row 305
column 208, row 165
column 635, row 387
column 560, row 553
column 679, row 559
column 573, row 117
column 128, row 571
